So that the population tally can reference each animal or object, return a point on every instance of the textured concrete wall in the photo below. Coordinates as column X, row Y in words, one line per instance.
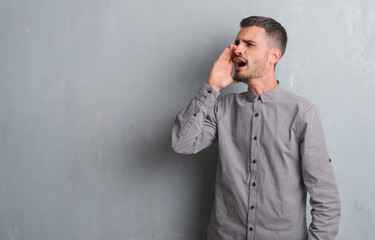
column 89, row 90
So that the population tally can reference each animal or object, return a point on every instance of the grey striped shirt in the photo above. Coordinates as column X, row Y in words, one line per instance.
column 272, row 152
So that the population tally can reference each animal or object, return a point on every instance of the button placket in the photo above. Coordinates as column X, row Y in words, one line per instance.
column 253, row 185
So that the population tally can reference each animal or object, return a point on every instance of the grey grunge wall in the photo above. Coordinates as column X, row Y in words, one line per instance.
column 89, row 90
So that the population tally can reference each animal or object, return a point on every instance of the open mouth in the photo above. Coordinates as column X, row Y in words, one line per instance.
column 239, row 63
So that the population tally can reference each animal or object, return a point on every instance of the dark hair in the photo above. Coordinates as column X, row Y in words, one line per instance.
column 275, row 32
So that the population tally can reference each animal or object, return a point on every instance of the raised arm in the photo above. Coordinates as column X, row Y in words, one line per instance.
column 195, row 127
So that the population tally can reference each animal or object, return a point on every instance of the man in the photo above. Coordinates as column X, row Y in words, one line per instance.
column 271, row 145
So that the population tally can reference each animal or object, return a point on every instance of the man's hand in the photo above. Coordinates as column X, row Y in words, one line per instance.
column 221, row 73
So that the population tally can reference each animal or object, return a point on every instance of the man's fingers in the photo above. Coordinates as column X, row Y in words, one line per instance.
column 226, row 55
column 232, row 53
column 223, row 55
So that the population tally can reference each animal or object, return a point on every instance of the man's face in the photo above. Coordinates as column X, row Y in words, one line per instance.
column 251, row 57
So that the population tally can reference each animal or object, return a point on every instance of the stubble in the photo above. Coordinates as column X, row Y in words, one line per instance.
column 253, row 71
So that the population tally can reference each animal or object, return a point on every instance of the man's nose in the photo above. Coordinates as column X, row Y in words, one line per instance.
column 238, row 50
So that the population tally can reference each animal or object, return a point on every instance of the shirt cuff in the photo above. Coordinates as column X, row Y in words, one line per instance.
column 207, row 95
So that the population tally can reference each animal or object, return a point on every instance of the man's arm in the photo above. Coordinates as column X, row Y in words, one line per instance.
column 319, row 178
column 195, row 127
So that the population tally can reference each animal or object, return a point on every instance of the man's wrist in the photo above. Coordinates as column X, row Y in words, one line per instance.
column 214, row 87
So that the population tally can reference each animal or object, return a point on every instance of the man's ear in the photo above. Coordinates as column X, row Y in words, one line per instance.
column 275, row 55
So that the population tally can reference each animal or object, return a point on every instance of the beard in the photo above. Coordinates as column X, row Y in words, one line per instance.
column 252, row 71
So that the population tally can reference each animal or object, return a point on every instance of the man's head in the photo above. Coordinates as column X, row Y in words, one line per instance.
column 276, row 34
column 260, row 44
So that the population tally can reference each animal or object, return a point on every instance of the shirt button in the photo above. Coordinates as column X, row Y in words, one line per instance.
column 255, row 138
column 251, row 229
column 256, row 114
column 254, row 161
column 254, row 184
column 252, row 207
column 209, row 90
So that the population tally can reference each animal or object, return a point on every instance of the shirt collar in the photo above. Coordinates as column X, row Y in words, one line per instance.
column 267, row 96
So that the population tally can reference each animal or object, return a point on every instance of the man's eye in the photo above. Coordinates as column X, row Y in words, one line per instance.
column 249, row 44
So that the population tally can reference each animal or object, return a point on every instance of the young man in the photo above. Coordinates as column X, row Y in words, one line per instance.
column 272, row 149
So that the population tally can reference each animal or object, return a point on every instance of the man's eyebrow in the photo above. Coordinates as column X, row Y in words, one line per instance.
column 248, row 41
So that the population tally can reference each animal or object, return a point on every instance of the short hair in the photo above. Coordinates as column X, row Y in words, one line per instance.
column 275, row 32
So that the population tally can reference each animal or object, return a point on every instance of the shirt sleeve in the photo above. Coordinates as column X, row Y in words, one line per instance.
column 318, row 178
column 195, row 126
